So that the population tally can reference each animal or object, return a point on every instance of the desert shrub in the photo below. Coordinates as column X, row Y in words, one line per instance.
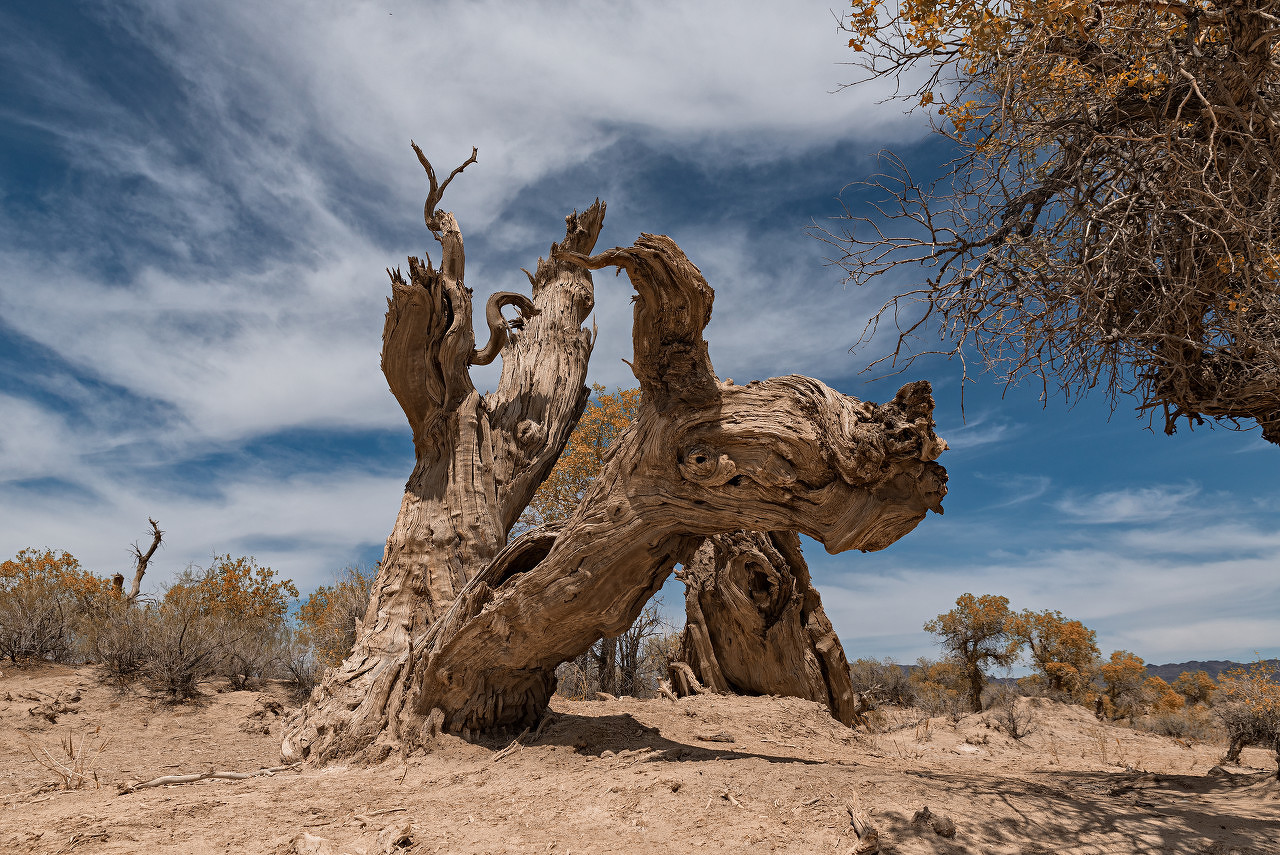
column 117, row 636
column 1248, row 705
column 941, row 688
column 1015, row 719
column 225, row 620
column 300, row 665
column 1196, row 688
column 1190, row 722
column 328, row 619
column 885, row 680
column 629, row 664
column 186, row 645
column 43, row 597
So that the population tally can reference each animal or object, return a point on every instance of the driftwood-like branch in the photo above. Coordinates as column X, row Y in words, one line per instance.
column 498, row 326
column 166, row 780
column 143, row 559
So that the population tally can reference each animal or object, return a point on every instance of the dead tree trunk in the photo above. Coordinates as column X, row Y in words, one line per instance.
column 479, row 459
column 754, row 625
column 702, row 458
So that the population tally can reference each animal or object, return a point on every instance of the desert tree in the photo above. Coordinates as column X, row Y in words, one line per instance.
column 1248, row 704
column 1063, row 653
column 464, row 630
column 1123, row 676
column 1196, row 687
column 1109, row 219
column 975, row 635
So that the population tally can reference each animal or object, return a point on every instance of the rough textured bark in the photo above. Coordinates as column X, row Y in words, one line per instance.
column 754, row 625
column 702, row 458
column 478, row 459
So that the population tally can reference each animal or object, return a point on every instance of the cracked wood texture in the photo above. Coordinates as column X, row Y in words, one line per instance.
column 478, row 459
column 754, row 625
column 703, row 457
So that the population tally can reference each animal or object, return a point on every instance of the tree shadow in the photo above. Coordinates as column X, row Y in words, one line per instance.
column 594, row 735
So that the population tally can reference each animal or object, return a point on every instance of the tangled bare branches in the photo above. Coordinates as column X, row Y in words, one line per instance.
column 1111, row 217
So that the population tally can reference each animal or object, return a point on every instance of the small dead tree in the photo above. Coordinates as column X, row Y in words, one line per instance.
column 464, row 633
column 142, row 559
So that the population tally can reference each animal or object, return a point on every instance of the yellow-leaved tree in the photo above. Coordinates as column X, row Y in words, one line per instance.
column 605, row 418
column 975, row 635
column 43, row 597
column 1063, row 652
column 1248, row 703
column 1109, row 218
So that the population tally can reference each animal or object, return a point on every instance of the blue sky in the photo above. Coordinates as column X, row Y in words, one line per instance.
column 197, row 202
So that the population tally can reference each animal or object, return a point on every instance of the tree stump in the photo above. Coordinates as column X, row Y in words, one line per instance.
column 754, row 625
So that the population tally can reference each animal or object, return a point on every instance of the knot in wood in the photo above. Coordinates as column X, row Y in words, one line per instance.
column 706, row 465
column 529, row 432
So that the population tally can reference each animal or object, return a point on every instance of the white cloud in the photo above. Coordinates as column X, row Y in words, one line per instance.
column 1132, row 505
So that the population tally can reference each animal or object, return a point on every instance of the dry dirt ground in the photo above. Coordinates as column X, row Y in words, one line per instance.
column 704, row 774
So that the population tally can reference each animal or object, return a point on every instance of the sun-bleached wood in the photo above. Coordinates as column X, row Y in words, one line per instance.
column 479, row 459
column 702, row 458
column 754, row 625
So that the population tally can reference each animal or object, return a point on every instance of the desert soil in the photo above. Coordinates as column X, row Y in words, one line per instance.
column 704, row 774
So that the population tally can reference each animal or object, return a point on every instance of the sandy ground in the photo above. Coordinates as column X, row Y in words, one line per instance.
column 624, row 776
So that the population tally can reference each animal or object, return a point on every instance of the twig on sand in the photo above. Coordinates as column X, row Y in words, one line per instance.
column 202, row 776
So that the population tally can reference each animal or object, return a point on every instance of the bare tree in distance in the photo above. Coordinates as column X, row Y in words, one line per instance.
column 1109, row 220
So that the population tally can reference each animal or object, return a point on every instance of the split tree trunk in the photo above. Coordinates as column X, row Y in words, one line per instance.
column 479, row 459
column 754, row 625
column 702, row 458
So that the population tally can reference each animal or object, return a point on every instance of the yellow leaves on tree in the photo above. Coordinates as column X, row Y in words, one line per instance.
column 1249, row 706
column 1196, row 688
column 327, row 618
column 1062, row 652
column 1122, row 679
column 1160, row 696
column 43, row 595
column 975, row 635
column 605, row 418
column 1107, row 222
column 237, row 588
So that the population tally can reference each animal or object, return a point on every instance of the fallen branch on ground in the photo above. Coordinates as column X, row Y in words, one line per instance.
column 201, row 776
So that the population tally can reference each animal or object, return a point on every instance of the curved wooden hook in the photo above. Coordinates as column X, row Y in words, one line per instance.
column 498, row 324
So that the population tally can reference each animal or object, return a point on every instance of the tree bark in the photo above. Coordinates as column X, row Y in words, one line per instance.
column 702, row 458
column 478, row 459
column 754, row 625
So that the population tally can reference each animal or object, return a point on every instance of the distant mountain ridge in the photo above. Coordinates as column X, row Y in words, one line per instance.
column 1212, row 667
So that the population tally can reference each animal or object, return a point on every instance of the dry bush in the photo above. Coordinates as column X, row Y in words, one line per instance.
column 118, row 637
column 43, row 596
column 185, row 648
column 328, row 619
column 884, row 680
column 1248, row 704
column 940, row 688
column 75, row 763
column 632, row 663
column 1016, row 720
column 300, row 665
column 1189, row 723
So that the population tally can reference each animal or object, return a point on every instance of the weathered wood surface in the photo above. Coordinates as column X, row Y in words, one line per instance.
column 702, row 458
column 479, row 458
column 754, row 625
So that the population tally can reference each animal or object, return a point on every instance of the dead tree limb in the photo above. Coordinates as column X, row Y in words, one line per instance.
column 479, row 459
column 142, row 559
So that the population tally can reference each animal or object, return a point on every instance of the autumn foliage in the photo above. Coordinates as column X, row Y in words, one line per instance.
column 1108, row 220
column 1062, row 652
column 605, row 418
column 975, row 635
column 327, row 619
column 43, row 597
column 1249, row 707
